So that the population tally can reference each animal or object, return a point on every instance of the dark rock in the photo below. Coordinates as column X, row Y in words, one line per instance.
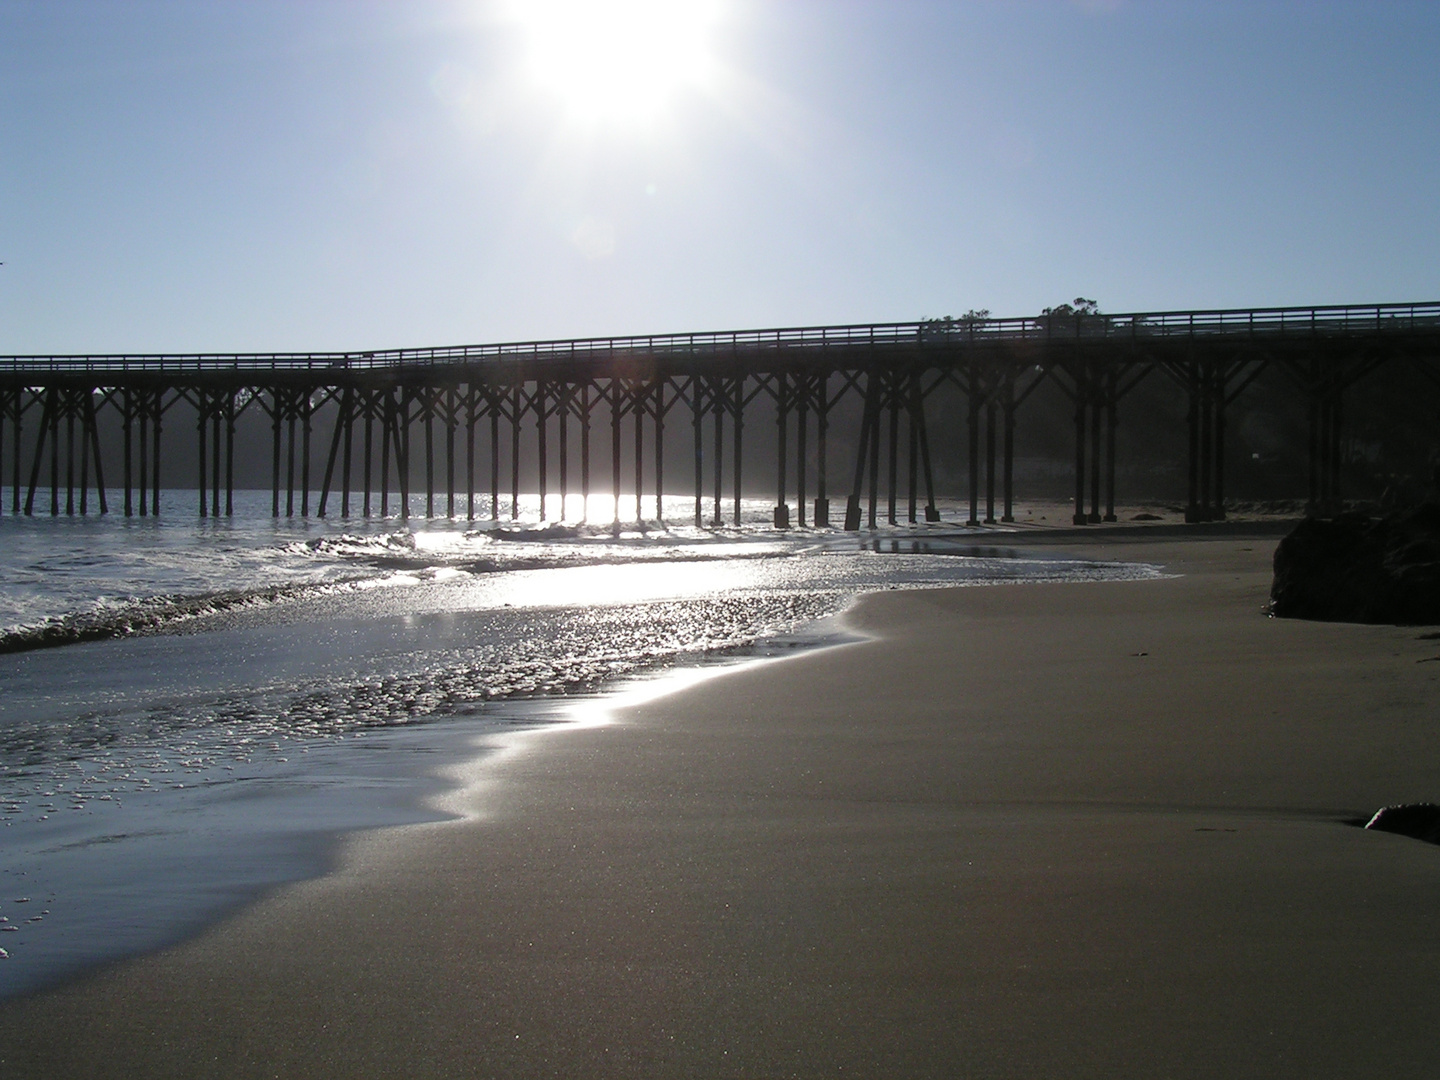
column 1420, row 820
column 1357, row 568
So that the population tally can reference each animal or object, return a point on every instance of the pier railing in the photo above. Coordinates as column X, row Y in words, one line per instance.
column 1266, row 323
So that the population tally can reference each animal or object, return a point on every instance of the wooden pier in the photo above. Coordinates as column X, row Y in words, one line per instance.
column 387, row 416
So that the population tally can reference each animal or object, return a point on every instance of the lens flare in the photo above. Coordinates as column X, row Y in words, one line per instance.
column 617, row 60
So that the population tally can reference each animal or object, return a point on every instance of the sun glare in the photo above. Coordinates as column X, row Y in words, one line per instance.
column 617, row 60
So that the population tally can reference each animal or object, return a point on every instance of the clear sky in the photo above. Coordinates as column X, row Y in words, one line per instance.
column 214, row 175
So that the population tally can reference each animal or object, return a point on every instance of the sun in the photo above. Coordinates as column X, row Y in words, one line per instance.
column 617, row 61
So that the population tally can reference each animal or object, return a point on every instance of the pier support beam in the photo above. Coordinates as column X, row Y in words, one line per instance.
column 1095, row 435
column 739, row 430
column 541, row 403
column 990, row 411
column 1112, row 408
column 368, row 454
column 869, row 419
column 450, row 420
column 660, row 409
column 638, row 411
column 717, row 398
column 470, row 418
column 781, row 518
column 822, row 430
column 1007, row 407
column 1080, row 517
column 15, row 436
column 697, row 416
column 972, row 432
column 495, row 459
column 802, row 409
column 616, row 414
column 517, row 411
column 346, row 422
column 563, row 408
column 893, row 452
column 586, row 404
column 917, row 409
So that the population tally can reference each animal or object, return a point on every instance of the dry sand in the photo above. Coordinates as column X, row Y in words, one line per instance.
column 1029, row 831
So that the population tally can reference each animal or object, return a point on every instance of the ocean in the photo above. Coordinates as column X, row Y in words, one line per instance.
column 194, row 711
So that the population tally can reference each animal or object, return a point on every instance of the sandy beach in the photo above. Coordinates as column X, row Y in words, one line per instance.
column 1084, row 830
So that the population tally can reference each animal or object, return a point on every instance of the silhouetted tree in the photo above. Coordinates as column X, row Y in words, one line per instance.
column 1067, row 315
column 1078, row 306
column 975, row 317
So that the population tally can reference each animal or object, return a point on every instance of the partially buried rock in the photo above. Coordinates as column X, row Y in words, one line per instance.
column 1357, row 568
column 1420, row 820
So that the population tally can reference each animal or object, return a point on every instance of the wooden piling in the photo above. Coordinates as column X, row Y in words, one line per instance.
column 874, row 462
column 275, row 421
column 1111, row 412
column 215, row 420
column 1218, row 506
column 306, row 411
column 912, row 466
column 155, row 425
column 346, row 420
column 94, row 429
column 893, row 450
column 822, row 430
column 230, row 455
column 615, row 414
column 55, row 456
column 972, row 433
column 450, row 417
column 585, row 406
column 69, row 456
column 15, row 456
column 369, row 439
column 932, row 512
column 387, row 437
column 291, row 419
column 697, row 414
column 1095, row 436
column 990, row 411
column 782, row 417
column 495, row 460
column 637, row 407
column 144, row 433
column 1008, row 467
column 563, row 405
column 542, row 447
column 404, row 419
column 84, row 467
column 718, row 412
column 470, row 418
column 1080, row 517
column 429, row 407
column 862, row 448
column 660, row 407
column 739, row 431
column 202, row 430
column 515, row 414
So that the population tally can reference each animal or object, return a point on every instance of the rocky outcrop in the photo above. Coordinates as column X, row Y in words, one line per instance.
column 1420, row 820
column 1357, row 568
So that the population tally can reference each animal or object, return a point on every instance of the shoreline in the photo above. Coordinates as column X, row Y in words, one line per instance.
column 409, row 774
column 1083, row 829
column 275, row 854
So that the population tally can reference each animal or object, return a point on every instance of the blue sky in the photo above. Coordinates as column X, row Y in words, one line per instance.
column 304, row 175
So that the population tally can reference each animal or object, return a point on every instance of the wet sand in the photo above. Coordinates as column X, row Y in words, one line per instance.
column 1039, row 830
